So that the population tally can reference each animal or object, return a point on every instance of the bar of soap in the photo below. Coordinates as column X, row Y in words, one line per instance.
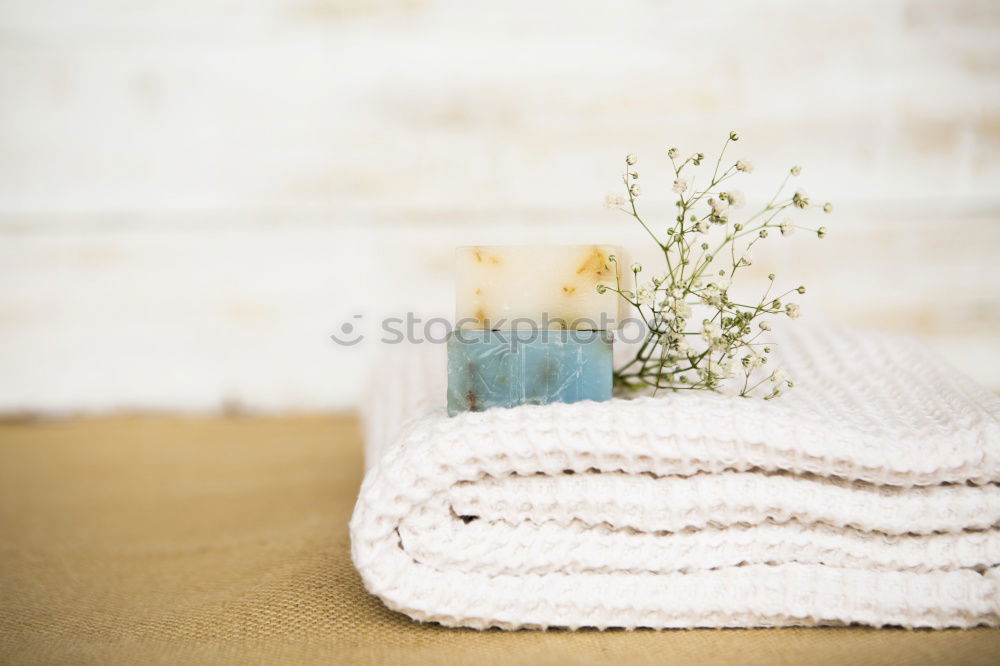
column 504, row 287
column 508, row 368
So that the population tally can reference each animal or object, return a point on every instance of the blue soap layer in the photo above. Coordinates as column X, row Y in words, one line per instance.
column 508, row 368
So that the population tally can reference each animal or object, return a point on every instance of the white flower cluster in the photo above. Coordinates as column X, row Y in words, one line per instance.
column 694, row 285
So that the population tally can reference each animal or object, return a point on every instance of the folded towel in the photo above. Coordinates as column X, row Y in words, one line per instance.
column 868, row 494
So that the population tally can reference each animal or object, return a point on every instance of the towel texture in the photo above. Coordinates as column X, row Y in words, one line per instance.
column 868, row 494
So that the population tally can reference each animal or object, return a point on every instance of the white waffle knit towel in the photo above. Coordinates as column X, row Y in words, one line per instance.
column 868, row 495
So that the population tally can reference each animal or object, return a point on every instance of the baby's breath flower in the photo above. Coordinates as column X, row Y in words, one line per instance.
column 746, row 166
column 733, row 136
column 736, row 198
column 680, row 308
column 710, row 371
column 630, row 159
column 764, row 326
column 634, row 175
column 786, row 227
column 679, row 343
column 828, row 207
column 801, row 290
column 720, row 210
column 613, row 200
column 634, row 190
column 821, row 232
column 704, row 227
column 796, row 170
column 792, row 310
column 710, row 330
column 636, row 267
column 778, row 376
column 645, row 296
column 601, row 289
column 754, row 360
column 680, row 185
column 711, row 295
column 673, row 153
column 697, row 158
column 800, row 199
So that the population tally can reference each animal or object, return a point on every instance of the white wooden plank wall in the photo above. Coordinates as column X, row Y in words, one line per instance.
column 194, row 194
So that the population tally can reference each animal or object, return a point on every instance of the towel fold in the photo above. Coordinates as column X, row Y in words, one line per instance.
column 867, row 495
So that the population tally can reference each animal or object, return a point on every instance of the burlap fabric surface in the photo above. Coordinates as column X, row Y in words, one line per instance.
column 148, row 540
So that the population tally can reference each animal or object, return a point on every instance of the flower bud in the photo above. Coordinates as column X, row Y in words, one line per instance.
column 821, row 232
column 733, row 136
column 630, row 159
column 636, row 267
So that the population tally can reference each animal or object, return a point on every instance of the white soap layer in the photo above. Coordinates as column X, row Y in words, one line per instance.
column 545, row 286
